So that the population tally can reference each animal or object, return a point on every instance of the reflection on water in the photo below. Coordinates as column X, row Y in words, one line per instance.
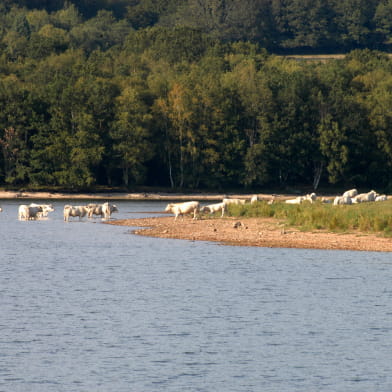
column 89, row 307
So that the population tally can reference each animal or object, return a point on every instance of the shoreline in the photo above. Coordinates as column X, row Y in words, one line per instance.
column 255, row 232
column 6, row 195
column 144, row 196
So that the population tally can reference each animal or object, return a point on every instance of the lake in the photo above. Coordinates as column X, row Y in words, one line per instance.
column 90, row 307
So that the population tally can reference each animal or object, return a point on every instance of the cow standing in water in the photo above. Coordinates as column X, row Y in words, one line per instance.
column 29, row 213
column 46, row 208
column 75, row 211
column 108, row 209
column 95, row 209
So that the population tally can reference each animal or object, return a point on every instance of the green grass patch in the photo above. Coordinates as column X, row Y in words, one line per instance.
column 374, row 217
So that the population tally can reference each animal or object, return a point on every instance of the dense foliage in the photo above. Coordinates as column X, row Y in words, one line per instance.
column 160, row 93
column 275, row 24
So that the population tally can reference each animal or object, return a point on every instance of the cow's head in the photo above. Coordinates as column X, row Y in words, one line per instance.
column 169, row 207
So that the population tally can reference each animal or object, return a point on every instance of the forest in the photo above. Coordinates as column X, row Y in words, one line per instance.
column 195, row 94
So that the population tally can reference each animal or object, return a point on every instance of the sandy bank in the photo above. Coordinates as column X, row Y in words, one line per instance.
column 127, row 196
column 108, row 196
column 254, row 232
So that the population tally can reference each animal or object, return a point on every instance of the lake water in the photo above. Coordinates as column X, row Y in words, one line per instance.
column 89, row 307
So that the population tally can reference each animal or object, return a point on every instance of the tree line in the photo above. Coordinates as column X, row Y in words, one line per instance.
column 277, row 25
column 94, row 101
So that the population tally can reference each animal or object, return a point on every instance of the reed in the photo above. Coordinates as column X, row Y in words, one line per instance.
column 373, row 217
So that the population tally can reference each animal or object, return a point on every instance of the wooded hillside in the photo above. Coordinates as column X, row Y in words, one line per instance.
column 193, row 94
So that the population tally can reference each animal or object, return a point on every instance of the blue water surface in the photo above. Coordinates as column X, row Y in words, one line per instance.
column 87, row 306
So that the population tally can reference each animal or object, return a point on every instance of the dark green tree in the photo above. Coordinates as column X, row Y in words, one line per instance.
column 131, row 136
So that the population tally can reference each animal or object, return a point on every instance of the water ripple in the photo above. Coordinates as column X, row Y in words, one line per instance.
column 93, row 308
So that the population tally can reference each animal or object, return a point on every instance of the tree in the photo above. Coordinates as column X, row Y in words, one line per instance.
column 375, row 95
column 383, row 21
column 227, row 20
column 100, row 32
column 173, row 45
column 73, row 148
column 131, row 135
column 17, row 122
column 177, row 112
column 354, row 22
column 308, row 23
column 37, row 19
column 21, row 25
column 14, row 154
column 285, row 149
column 46, row 41
column 334, row 147
column 218, row 140
column 68, row 17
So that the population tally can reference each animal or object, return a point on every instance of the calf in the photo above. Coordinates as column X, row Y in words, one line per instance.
column 212, row 208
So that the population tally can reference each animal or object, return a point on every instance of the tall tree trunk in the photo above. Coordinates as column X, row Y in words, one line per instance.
column 126, row 175
column 318, row 170
column 171, row 173
column 181, row 162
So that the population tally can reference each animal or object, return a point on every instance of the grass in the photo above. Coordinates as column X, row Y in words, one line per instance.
column 366, row 217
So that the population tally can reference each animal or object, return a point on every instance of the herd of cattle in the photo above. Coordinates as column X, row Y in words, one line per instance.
column 35, row 211
column 193, row 207
column 352, row 197
column 349, row 197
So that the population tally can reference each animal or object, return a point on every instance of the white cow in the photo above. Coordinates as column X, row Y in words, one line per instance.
column 75, row 211
column 95, row 209
column 381, row 198
column 297, row 200
column 271, row 201
column 108, row 209
column 254, row 199
column 339, row 200
column 365, row 197
column 350, row 193
column 23, row 212
column 183, row 208
column 46, row 208
column 212, row 208
column 29, row 213
column 233, row 201
column 311, row 197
